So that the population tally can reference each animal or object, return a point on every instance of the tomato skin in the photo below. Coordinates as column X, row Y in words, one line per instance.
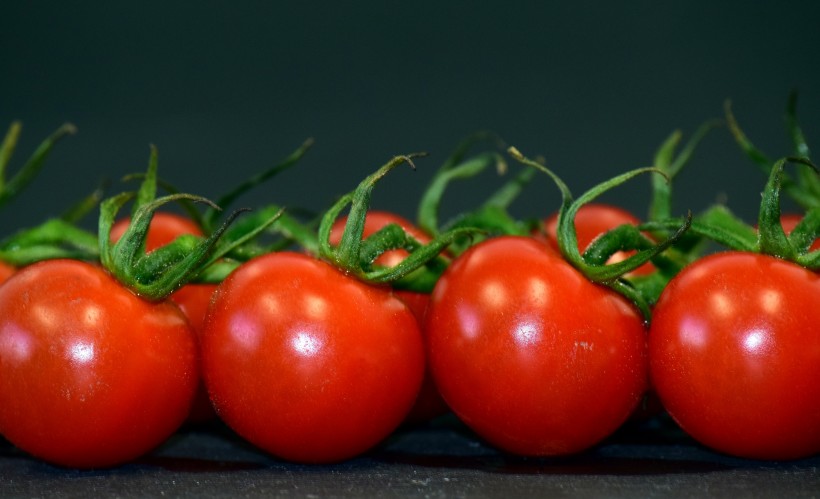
column 530, row 354
column 307, row 363
column 6, row 271
column 735, row 355
column 592, row 220
column 164, row 228
column 192, row 299
column 91, row 375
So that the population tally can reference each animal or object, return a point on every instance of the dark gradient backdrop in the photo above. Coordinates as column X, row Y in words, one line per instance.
column 224, row 89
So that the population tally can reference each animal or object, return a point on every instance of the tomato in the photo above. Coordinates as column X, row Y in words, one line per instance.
column 591, row 221
column 308, row 363
column 530, row 354
column 735, row 355
column 6, row 271
column 789, row 220
column 164, row 228
column 429, row 403
column 90, row 374
column 193, row 300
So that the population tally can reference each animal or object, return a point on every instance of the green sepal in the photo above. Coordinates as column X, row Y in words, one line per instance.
column 55, row 238
column 670, row 163
column 418, row 257
column 346, row 254
column 431, row 199
column 805, row 190
column 806, row 232
column 772, row 238
column 9, row 188
column 157, row 274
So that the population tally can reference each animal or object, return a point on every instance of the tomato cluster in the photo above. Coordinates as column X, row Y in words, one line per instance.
column 542, row 336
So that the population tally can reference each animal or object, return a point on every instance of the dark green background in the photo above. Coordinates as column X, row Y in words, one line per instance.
column 224, row 89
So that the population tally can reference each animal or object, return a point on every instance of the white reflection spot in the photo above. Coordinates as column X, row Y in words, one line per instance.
column 306, row 344
column 82, row 352
column 754, row 341
column 526, row 334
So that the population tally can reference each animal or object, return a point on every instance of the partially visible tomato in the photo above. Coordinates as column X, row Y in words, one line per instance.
column 90, row 374
column 164, row 228
column 429, row 404
column 735, row 355
column 307, row 362
column 193, row 300
column 529, row 353
column 591, row 221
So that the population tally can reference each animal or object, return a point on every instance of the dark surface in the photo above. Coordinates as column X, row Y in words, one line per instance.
column 438, row 460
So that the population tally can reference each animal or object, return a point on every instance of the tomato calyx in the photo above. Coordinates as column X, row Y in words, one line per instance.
column 592, row 263
column 772, row 239
column 356, row 255
column 156, row 274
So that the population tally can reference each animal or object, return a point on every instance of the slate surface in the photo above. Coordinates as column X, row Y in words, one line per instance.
column 442, row 459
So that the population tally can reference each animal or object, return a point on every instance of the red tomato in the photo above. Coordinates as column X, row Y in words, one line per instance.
column 789, row 220
column 164, row 228
column 308, row 363
column 6, row 271
column 193, row 300
column 529, row 353
column 591, row 221
column 735, row 355
column 90, row 374
column 429, row 404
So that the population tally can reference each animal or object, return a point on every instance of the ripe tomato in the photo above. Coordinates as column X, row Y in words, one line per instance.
column 90, row 374
column 164, row 228
column 735, row 355
column 529, row 353
column 308, row 363
column 591, row 221
column 429, row 403
column 6, row 271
